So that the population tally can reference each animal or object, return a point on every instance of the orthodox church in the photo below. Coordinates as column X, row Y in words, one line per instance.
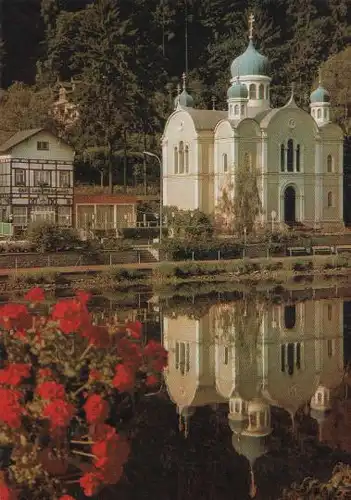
column 298, row 155
column 252, row 357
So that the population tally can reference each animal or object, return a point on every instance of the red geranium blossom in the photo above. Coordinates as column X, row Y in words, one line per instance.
column 36, row 294
column 15, row 316
column 71, row 314
column 96, row 409
column 10, row 408
column 135, row 329
column 51, row 390
column 59, row 413
column 95, row 375
column 14, row 373
column 130, row 352
column 90, row 483
column 83, row 296
column 45, row 373
column 97, row 335
column 124, row 379
column 6, row 493
column 151, row 380
column 156, row 355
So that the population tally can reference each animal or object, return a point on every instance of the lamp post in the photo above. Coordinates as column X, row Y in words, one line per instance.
column 153, row 155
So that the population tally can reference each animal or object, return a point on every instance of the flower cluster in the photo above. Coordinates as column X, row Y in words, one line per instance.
column 59, row 375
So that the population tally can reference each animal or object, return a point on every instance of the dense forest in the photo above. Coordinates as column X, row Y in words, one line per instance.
column 126, row 58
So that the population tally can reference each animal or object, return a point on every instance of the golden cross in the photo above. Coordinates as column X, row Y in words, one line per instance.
column 251, row 23
column 184, row 80
column 214, row 102
column 320, row 76
column 292, row 88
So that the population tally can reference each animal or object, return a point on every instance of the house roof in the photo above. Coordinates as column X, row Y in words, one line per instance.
column 17, row 138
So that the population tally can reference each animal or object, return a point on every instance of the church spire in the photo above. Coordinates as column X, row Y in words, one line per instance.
column 184, row 80
column 320, row 76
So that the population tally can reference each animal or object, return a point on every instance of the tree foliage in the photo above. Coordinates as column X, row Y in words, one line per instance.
column 247, row 202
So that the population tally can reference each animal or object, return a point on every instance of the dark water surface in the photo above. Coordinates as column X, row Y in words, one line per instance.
column 255, row 396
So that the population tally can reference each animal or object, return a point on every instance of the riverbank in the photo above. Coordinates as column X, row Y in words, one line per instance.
column 260, row 273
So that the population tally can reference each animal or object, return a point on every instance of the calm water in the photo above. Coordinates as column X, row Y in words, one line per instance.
column 254, row 397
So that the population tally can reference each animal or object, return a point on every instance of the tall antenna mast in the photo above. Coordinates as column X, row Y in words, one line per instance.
column 186, row 37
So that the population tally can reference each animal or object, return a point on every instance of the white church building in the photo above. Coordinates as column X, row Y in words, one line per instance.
column 298, row 155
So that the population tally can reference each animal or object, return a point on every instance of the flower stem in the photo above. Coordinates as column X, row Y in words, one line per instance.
column 80, row 389
column 86, row 351
column 83, row 454
column 83, row 442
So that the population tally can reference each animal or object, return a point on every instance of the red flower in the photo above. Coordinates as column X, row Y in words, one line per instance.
column 59, row 413
column 21, row 335
column 130, row 352
column 111, row 452
column 151, row 380
column 90, row 483
column 51, row 390
column 83, row 296
column 36, row 294
column 6, row 493
column 96, row 409
column 135, row 329
column 45, row 373
column 14, row 316
column 10, row 408
column 124, row 379
column 97, row 335
column 14, row 374
column 71, row 314
column 156, row 355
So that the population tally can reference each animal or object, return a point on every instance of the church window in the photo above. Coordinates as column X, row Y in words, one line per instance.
column 176, row 166
column 182, row 357
column 291, row 354
column 329, row 163
column 282, row 158
column 226, row 355
column 225, row 163
column 330, row 348
column 252, row 91
column 290, row 156
column 319, row 113
column 330, row 312
column 242, row 110
column 261, row 91
column 237, row 407
column 330, row 199
column 236, row 109
column 181, row 157
column 298, row 158
column 289, row 317
column 187, row 159
column 319, row 397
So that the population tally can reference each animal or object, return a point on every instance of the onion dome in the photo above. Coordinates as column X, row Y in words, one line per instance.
column 320, row 95
column 251, row 62
column 237, row 91
column 184, row 99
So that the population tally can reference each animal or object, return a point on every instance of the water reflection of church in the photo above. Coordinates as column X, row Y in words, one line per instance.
column 253, row 356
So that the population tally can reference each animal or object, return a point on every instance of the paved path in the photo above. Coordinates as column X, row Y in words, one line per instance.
column 151, row 265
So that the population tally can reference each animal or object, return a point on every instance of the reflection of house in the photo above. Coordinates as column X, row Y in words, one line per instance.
column 36, row 178
column 104, row 212
column 254, row 357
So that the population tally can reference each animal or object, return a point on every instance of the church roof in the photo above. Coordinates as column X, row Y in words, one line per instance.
column 206, row 119
column 251, row 62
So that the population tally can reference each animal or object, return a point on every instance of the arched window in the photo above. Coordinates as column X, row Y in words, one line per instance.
column 242, row 110
column 225, row 163
column 330, row 199
column 289, row 317
column 252, row 91
column 176, row 166
column 329, row 163
column 282, row 158
column 290, row 156
column 181, row 157
column 236, row 109
column 182, row 357
column 261, row 91
column 330, row 312
column 187, row 159
column 298, row 159
column 319, row 113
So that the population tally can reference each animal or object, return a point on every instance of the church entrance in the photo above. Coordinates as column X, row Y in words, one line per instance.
column 290, row 205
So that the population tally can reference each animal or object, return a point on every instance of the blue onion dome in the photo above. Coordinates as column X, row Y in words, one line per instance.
column 320, row 95
column 237, row 91
column 184, row 99
column 251, row 62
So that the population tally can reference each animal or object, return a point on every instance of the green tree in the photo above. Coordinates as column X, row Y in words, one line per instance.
column 247, row 202
column 224, row 211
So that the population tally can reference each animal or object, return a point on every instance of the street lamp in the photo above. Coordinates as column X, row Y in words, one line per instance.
column 153, row 155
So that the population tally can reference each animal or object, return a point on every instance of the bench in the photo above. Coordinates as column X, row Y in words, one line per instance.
column 298, row 250
column 322, row 249
column 342, row 248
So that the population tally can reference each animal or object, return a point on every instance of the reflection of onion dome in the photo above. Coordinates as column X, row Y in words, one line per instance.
column 186, row 411
column 237, row 425
column 252, row 447
column 237, row 91
column 251, row 62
